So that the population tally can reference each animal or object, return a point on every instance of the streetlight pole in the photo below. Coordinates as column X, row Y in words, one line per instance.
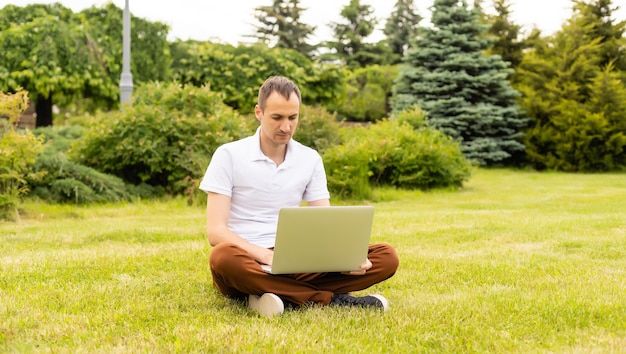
column 126, row 81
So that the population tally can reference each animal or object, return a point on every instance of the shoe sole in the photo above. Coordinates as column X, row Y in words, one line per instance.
column 383, row 300
column 268, row 304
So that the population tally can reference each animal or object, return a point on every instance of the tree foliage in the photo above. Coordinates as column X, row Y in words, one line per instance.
column 350, row 45
column 281, row 26
column 507, row 34
column 367, row 93
column 46, row 50
column 317, row 128
column 401, row 28
column 150, row 56
column 239, row 71
column 464, row 92
column 577, row 105
column 61, row 57
column 596, row 17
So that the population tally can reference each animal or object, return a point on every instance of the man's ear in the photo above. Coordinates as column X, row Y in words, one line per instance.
column 257, row 112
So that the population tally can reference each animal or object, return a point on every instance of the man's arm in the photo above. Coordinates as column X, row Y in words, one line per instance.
column 217, row 213
column 321, row 202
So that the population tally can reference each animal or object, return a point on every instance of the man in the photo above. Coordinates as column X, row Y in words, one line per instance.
column 247, row 182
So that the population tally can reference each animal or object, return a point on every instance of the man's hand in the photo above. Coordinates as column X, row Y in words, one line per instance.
column 365, row 266
column 265, row 256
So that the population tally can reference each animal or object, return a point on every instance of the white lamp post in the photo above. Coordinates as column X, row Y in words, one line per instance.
column 126, row 82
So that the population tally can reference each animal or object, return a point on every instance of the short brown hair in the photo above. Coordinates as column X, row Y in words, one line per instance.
column 280, row 84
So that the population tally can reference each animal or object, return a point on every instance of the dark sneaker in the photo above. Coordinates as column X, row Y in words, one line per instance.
column 370, row 301
column 268, row 304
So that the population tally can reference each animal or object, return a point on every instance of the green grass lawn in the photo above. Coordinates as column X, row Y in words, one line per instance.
column 514, row 262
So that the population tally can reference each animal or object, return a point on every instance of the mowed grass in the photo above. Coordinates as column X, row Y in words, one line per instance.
column 514, row 262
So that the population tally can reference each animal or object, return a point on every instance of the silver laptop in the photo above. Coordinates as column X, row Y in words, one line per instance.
column 321, row 239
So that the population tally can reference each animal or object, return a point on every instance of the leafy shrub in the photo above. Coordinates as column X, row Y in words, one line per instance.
column 414, row 116
column 423, row 159
column 18, row 151
column 317, row 128
column 68, row 182
column 367, row 93
column 59, row 138
column 392, row 153
column 71, row 189
column 164, row 138
column 347, row 170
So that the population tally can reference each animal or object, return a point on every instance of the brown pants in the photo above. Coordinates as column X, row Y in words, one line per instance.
column 236, row 275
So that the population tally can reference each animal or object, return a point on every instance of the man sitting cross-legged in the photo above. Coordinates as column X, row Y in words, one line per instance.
column 247, row 183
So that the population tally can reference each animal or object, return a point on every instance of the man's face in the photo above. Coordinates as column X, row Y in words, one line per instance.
column 279, row 120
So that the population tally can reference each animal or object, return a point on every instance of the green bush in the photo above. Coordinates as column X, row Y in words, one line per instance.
column 367, row 93
column 422, row 159
column 414, row 116
column 68, row 182
column 164, row 138
column 70, row 189
column 59, row 138
column 392, row 153
column 347, row 170
column 18, row 151
column 317, row 128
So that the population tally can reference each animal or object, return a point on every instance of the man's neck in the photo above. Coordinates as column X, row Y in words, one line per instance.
column 276, row 153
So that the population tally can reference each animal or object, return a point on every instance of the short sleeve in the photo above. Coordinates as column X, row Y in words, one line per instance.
column 317, row 188
column 219, row 175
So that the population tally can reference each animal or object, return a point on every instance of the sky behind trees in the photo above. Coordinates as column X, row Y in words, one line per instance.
column 231, row 21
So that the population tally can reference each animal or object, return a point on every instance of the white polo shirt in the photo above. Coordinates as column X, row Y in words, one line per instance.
column 258, row 188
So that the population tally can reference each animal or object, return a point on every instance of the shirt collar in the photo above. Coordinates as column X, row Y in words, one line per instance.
column 256, row 154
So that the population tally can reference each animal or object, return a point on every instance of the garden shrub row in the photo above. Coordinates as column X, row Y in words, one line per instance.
column 163, row 142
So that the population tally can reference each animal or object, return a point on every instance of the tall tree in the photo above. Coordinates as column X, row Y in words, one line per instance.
column 62, row 58
column 150, row 57
column 576, row 102
column 507, row 34
column 464, row 91
column 401, row 27
column 350, row 37
column 281, row 26
column 44, row 49
column 597, row 17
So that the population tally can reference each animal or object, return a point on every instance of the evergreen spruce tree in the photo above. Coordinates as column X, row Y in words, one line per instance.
column 464, row 91
column 507, row 34
column 597, row 18
column 350, row 37
column 576, row 101
column 280, row 26
column 591, row 135
column 401, row 28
